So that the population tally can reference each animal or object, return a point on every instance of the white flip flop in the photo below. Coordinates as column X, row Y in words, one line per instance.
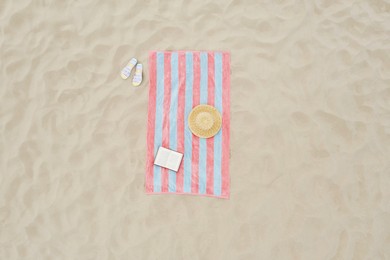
column 138, row 75
column 125, row 72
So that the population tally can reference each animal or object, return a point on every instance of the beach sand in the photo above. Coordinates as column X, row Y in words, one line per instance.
column 310, row 131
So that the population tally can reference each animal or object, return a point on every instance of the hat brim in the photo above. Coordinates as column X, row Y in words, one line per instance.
column 197, row 129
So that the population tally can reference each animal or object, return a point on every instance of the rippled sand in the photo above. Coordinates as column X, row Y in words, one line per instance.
column 310, row 132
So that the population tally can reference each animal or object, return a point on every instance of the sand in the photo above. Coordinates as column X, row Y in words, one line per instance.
column 310, row 131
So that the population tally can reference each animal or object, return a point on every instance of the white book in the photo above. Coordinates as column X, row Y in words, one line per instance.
column 168, row 159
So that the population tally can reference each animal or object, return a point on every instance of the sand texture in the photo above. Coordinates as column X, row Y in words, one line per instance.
column 310, row 131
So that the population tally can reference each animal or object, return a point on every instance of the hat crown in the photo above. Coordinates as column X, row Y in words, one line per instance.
column 204, row 120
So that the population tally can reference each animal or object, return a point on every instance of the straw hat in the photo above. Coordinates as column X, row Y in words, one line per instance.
column 205, row 121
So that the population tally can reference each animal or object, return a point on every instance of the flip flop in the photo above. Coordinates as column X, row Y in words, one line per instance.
column 125, row 72
column 138, row 75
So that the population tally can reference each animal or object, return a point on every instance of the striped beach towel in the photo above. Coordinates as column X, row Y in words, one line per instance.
column 179, row 81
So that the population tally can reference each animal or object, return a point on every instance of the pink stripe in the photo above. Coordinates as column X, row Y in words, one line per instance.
column 225, row 123
column 210, row 141
column 180, row 119
column 195, row 139
column 167, row 104
column 151, row 123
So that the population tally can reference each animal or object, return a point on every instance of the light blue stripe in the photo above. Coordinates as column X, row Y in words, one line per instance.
column 159, row 117
column 187, row 132
column 218, row 136
column 202, row 141
column 173, row 115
